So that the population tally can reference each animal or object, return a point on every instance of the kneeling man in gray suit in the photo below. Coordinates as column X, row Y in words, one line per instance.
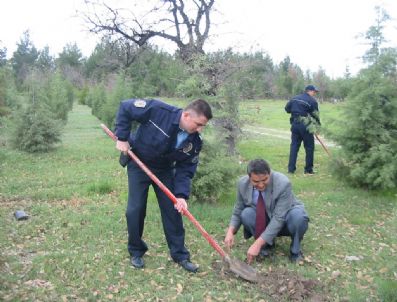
column 267, row 208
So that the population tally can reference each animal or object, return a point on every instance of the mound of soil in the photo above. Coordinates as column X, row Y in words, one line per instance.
column 281, row 284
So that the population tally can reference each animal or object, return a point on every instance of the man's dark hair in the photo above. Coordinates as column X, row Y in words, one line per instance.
column 258, row 166
column 201, row 107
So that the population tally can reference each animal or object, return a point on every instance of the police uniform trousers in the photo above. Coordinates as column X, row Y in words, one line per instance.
column 138, row 187
column 300, row 133
column 296, row 225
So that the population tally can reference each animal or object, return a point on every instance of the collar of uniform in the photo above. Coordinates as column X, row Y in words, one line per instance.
column 177, row 118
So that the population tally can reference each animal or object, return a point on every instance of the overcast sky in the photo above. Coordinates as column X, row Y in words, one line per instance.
column 313, row 33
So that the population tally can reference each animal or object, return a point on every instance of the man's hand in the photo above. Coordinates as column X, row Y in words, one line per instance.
column 254, row 249
column 229, row 238
column 122, row 146
column 181, row 205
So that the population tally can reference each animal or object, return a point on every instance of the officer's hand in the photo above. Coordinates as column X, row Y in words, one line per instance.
column 229, row 238
column 181, row 205
column 122, row 146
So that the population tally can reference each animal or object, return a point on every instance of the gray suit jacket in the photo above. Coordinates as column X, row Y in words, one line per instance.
column 279, row 199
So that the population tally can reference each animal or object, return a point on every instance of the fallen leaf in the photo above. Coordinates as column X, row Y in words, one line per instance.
column 179, row 288
column 383, row 270
column 353, row 258
column 39, row 283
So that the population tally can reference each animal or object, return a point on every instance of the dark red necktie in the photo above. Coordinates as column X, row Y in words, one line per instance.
column 260, row 222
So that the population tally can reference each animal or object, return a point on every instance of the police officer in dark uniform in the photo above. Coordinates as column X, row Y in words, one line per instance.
column 304, row 111
column 168, row 142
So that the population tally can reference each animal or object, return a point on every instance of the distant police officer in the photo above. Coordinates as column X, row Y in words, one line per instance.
column 304, row 111
column 168, row 142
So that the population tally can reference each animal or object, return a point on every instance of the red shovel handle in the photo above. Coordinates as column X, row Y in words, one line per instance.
column 171, row 196
column 322, row 144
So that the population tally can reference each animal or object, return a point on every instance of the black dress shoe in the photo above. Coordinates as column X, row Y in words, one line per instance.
column 137, row 262
column 267, row 250
column 296, row 258
column 187, row 265
column 247, row 234
column 264, row 253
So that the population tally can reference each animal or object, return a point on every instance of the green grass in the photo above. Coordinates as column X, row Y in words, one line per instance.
column 73, row 247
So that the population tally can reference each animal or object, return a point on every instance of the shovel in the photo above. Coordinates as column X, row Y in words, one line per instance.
column 322, row 144
column 238, row 267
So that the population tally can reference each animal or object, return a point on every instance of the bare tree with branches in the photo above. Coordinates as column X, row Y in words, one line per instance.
column 186, row 23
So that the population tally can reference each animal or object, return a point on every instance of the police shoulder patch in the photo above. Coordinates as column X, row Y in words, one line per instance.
column 140, row 103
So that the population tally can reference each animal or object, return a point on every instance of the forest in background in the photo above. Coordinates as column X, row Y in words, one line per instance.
column 37, row 91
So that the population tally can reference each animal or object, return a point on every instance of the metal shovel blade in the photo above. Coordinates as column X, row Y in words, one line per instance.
column 241, row 269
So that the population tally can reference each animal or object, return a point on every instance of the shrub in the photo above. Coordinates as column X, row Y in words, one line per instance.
column 215, row 175
column 35, row 129
column 195, row 85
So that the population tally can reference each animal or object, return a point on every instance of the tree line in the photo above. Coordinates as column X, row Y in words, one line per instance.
column 120, row 69
column 37, row 91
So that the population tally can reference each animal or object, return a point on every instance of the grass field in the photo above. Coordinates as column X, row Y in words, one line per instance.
column 73, row 246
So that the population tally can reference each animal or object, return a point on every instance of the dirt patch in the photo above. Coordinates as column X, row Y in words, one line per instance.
column 12, row 201
column 281, row 284
column 74, row 202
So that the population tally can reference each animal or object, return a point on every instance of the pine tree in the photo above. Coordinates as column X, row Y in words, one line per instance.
column 35, row 129
column 369, row 134
column 368, row 137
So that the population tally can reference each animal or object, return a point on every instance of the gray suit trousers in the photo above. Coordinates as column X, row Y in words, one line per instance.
column 296, row 225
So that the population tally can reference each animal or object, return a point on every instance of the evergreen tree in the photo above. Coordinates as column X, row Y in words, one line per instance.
column 35, row 129
column 322, row 81
column 45, row 62
column 215, row 174
column 368, row 137
column 70, row 56
column 289, row 79
column 375, row 36
column 70, row 61
column 369, row 134
column 122, row 90
column 3, row 55
column 24, row 58
column 59, row 96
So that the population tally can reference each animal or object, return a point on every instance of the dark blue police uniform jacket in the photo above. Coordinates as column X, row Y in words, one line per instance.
column 302, row 105
column 155, row 139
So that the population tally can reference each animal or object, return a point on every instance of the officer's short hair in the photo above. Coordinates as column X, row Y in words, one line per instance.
column 258, row 166
column 201, row 107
